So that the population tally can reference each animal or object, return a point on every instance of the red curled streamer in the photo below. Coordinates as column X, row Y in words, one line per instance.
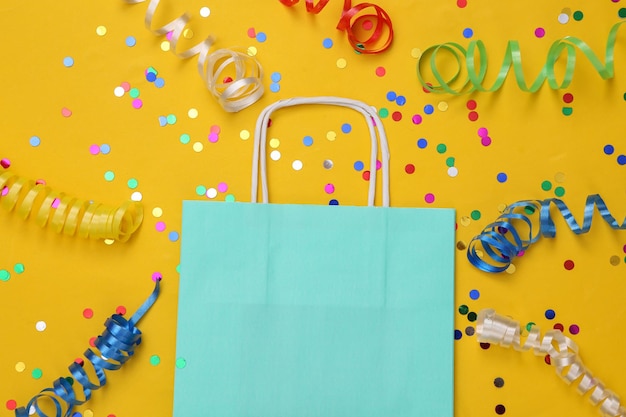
column 379, row 40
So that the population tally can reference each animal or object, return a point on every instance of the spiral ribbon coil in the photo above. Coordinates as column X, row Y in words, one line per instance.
column 116, row 345
column 515, row 230
column 67, row 214
column 496, row 329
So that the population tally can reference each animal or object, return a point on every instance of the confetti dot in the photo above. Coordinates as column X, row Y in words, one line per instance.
column 546, row 185
column 429, row 198
column 474, row 294
column 400, row 100
column 131, row 41
column 614, row 260
column 181, row 363
column 422, row 143
column 5, row 163
column 472, row 316
column 574, row 329
column 540, row 32
column 105, row 149
column 409, row 168
column 34, row 141
column 275, row 155
column 471, row 104
column 251, row 51
column 244, row 135
column 68, row 61
column 192, row 113
column 417, row 119
column 41, row 326
column 159, row 83
column 501, row 177
column 327, row 43
column 200, row 190
column 173, row 236
column 137, row 103
column 483, row 132
column 380, row 71
column 274, row 143
column 276, row 77
column 622, row 12
column 458, row 335
column 429, row 109
column 568, row 111
column 11, row 405
column 121, row 310
column 4, row 275
column 416, row 53
column 563, row 18
column 442, row 106
column 155, row 360
column 87, row 313
column 342, row 63
column 197, row 146
column 559, row 191
column 453, row 172
column 550, row 314
column 329, row 188
column 132, row 183
column 222, row 187
column 346, row 128
column 568, row 98
column 358, row 166
column 331, row 135
column 475, row 215
column 274, row 87
column 307, row 141
column 19, row 268
column 461, row 3
column 468, row 33
column 383, row 112
column 296, row 165
column 213, row 137
column 109, row 176
column 472, row 116
column 568, row 264
column 205, row 11
column 101, row 30
column 211, row 193
column 165, row 46
column 463, row 309
column 160, row 226
column 37, row 373
column 469, row 330
column 396, row 116
column 621, row 159
column 498, row 382
column 578, row 15
column 450, row 161
column 500, row 409
column 20, row 367
column 261, row 37
column 442, row 148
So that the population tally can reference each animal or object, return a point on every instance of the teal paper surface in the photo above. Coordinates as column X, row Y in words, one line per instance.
column 311, row 311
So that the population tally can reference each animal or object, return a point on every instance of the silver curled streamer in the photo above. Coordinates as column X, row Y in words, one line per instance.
column 247, row 86
column 499, row 330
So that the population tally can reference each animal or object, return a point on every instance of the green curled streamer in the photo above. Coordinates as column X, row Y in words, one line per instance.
column 475, row 57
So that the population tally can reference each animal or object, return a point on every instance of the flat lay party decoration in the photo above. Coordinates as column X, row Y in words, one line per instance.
column 368, row 32
column 496, row 329
column 472, row 77
column 516, row 229
column 315, row 310
column 66, row 214
column 115, row 346
column 245, row 86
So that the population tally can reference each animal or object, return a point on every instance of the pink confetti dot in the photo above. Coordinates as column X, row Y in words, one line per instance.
column 55, row 203
column 157, row 276
column 368, row 25
column 213, row 137
column 574, row 329
column 222, row 187
column 126, row 86
column 540, row 32
column 94, row 149
column 137, row 103
column 486, row 141
column 66, row 112
column 5, row 163
column 417, row 119
column 169, row 35
column 380, row 71
column 160, row 226
column 329, row 188
column 379, row 165
column 216, row 129
column 429, row 198
column 482, row 132
column 5, row 191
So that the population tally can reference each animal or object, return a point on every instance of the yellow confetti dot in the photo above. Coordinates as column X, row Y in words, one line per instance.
column 331, row 135
column 559, row 177
column 501, row 208
column 614, row 260
column 88, row 413
column 101, row 30
column 188, row 33
column 465, row 221
column 460, row 245
column 342, row 63
column 109, row 242
column 252, row 51
column 244, row 135
column 511, row 269
column 192, row 113
column 157, row 212
column 165, row 46
column 21, row 366
column 416, row 53
column 442, row 106
column 274, row 143
column 198, row 146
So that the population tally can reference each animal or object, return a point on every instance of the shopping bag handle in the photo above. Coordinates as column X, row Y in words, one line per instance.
column 374, row 124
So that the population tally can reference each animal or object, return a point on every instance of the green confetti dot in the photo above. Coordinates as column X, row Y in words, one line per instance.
column 109, row 176
column 383, row 112
column 529, row 325
column 622, row 12
column 529, row 210
column 442, row 148
column 70, row 380
column 19, row 268
column 181, row 363
column 475, row 215
column 559, row 191
column 178, row 268
column 450, row 162
column 132, row 183
column 230, row 198
column 171, row 119
column 471, row 316
column 546, row 186
column 155, row 360
column 185, row 138
column 134, row 92
column 200, row 190
column 4, row 275
column 578, row 15
column 463, row 309
column 37, row 373
column 567, row 111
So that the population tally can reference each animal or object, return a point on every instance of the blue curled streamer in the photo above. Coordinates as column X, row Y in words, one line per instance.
column 502, row 240
column 116, row 345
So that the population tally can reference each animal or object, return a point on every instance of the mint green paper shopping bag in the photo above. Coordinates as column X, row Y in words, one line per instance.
column 315, row 311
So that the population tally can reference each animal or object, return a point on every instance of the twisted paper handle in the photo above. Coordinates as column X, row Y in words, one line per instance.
column 247, row 86
column 115, row 346
column 67, row 214
column 512, row 233
column 475, row 58
column 495, row 329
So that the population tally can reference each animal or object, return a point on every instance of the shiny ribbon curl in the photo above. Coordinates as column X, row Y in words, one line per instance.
column 116, row 346
column 499, row 330
column 513, row 232
column 63, row 213
column 353, row 15
column 247, row 86
column 476, row 60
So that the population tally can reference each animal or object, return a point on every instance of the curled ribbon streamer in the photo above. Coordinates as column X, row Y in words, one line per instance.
column 477, row 66
column 247, row 87
column 67, row 214
column 496, row 329
column 351, row 16
column 512, row 233
column 116, row 345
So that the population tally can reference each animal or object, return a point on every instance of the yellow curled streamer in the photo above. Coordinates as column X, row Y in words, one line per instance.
column 67, row 214
column 247, row 86
column 563, row 351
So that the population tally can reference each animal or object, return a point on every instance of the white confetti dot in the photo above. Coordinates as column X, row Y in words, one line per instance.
column 275, row 155
column 40, row 326
column 453, row 172
column 205, row 11
column 563, row 18
column 297, row 165
column 118, row 91
column 211, row 193
column 136, row 196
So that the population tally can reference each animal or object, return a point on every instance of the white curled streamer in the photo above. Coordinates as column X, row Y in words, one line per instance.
column 247, row 87
column 496, row 329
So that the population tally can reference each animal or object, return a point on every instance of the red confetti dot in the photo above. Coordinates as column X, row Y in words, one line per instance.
column 367, row 24
column 409, row 168
column 568, row 97
column 426, row 90
column 92, row 342
column 11, row 405
column 569, row 264
column 121, row 310
column 547, row 359
column 380, row 71
column 558, row 326
column 366, row 175
column 87, row 313
column 396, row 116
column 79, row 361
column 251, row 33
column 473, row 116
column 228, row 80
column 471, row 105
column 461, row 3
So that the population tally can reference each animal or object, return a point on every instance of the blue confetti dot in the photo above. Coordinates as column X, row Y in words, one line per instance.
column 274, row 87
column 151, row 77
column 35, row 141
column 261, row 37
column 346, row 128
column 468, row 33
column 276, row 77
column 105, row 149
column 131, row 41
column 400, row 100
column 307, row 140
column 173, row 236
column 162, row 121
column 358, row 165
column 327, row 43
column 474, row 294
column 333, row 202
column 429, row 109
column 422, row 143
column 68, row 61
column 159, row 82
column 391, row 96
column 502, row 177
column 550, row 314
column 458, row 334
column 609, row 149
column 621, row 159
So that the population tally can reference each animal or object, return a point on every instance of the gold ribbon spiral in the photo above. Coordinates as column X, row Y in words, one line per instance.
column 63, row 213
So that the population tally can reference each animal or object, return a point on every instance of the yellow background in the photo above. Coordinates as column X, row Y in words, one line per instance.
column 533, row 142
